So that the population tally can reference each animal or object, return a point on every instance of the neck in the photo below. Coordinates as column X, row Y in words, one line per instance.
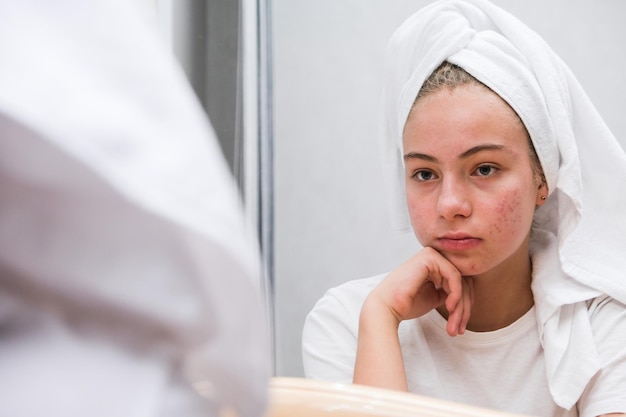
column 501, row 295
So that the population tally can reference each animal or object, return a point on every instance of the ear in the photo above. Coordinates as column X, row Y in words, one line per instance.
column 542, row 194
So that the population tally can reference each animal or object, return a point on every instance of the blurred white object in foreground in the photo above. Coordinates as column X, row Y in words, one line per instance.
column 126, row 274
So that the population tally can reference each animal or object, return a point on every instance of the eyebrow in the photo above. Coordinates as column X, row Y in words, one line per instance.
column 466, row 154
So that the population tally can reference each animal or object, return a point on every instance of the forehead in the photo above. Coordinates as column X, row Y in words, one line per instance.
column 462, row 115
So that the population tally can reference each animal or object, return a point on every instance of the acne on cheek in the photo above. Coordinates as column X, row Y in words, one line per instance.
column 509, row 215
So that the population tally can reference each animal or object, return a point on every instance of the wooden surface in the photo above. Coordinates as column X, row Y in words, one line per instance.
column 299, row 397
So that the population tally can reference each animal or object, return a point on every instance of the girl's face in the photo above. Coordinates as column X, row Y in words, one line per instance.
column 470, row 184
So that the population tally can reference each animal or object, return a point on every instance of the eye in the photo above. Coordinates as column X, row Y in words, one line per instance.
column 424, row 175
column 485, row 170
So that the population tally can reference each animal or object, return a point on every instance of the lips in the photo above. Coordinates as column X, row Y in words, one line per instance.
column 457, row 242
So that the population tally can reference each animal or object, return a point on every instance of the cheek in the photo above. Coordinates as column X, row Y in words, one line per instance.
column 512, row 217
column 419, row 215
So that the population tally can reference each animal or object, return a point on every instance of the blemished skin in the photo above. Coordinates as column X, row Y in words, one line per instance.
column 470, row 184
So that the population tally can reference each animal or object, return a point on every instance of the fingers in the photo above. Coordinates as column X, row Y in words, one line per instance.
column 458, row 290
column 426, row 281
column 445, row 276
column 459, row 316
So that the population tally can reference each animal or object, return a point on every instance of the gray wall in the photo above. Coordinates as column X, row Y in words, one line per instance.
column 331, row 215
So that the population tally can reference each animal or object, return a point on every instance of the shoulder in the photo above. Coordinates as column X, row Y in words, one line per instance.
column 608, row 324
column 329, row 336
column 354, row 291
column 607, row 390
column 606, row 311
column 346, row 299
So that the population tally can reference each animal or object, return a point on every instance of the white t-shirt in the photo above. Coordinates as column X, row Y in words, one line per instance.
column 503, row 369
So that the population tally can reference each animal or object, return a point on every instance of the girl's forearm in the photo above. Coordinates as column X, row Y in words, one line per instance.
column 379, row 360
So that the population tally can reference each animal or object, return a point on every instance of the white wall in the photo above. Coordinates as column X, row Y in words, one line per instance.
column 331, row 215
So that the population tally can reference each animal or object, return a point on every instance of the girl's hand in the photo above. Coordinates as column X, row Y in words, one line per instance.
column 425, row 281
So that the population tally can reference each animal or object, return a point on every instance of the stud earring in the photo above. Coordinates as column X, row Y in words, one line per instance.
column 543, row 197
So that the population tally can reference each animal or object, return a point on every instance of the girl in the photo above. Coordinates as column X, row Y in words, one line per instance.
column 498, row 162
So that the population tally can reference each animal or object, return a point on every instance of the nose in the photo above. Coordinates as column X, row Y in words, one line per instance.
column 454, row 199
